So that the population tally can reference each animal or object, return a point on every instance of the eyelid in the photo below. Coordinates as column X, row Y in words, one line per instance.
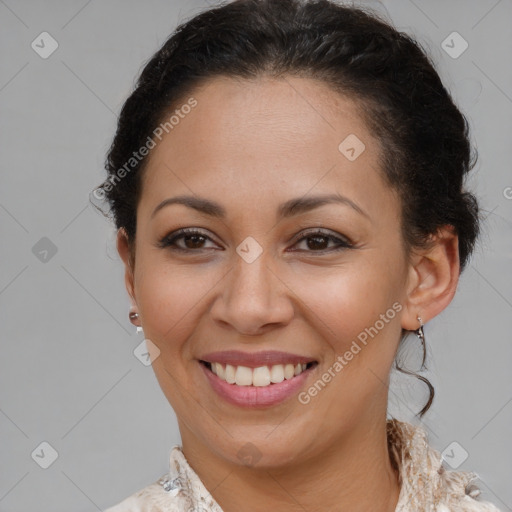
column 321, row 231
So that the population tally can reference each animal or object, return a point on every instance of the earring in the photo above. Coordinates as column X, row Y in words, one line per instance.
column 421, row 336
column 133, row 317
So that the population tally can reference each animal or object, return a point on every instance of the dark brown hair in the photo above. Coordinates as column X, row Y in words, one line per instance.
column 425, row 147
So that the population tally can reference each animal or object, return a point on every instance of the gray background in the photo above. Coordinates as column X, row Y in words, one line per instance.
column 68, row 375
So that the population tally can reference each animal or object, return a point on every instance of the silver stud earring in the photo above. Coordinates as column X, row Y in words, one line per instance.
column 135, row 316
column 421, row 336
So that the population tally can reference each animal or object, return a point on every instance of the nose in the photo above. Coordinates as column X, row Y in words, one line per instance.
column 254, row 298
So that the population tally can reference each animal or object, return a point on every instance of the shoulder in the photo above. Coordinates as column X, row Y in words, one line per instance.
column 152, row 498
column 426, row 483
column 179, row 490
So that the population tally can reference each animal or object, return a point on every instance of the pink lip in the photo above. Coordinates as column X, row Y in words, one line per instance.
column 255, row 359
column 256, row 396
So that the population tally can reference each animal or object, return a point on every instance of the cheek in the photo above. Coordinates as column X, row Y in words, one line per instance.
column 355, row 316
column 171, row 299
column 347, row 300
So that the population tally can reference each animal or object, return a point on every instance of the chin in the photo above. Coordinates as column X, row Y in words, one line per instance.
column 260, row 451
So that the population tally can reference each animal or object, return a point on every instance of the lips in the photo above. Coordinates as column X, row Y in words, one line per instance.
column 259, row 379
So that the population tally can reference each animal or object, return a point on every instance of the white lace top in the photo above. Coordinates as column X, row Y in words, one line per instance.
column 426, row 484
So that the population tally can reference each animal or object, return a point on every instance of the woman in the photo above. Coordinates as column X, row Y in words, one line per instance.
column 287, row 181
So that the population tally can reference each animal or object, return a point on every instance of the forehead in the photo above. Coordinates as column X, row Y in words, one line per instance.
column 261, row 137
column 295, row 110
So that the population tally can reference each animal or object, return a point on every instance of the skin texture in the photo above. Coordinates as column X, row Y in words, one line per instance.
column 250, row 146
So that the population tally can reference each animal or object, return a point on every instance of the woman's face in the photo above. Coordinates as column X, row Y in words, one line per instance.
column 257, row 286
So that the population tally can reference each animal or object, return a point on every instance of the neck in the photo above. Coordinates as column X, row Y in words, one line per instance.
column 355, row 474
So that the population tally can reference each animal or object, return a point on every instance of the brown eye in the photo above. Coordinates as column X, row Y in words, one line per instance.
column 191, row 240
column 318, row 241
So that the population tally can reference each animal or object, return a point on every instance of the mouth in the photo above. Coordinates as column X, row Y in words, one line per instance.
column 260, row 376
column 256, row 380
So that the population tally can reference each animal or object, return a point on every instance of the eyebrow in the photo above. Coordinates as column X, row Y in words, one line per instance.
column 287, row 209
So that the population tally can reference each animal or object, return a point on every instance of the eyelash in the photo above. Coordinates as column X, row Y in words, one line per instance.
column 169, row 241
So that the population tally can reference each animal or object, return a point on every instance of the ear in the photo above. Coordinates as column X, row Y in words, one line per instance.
column 432, row 279
column 123, row 249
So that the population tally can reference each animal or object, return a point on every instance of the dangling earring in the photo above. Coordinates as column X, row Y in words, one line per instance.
column 133, row 317
column 421, row 336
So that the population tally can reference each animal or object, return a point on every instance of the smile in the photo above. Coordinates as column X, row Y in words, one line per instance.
column 256, row 380
column 260, row 376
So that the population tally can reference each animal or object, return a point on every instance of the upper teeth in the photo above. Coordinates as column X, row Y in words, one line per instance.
column 261, row 376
